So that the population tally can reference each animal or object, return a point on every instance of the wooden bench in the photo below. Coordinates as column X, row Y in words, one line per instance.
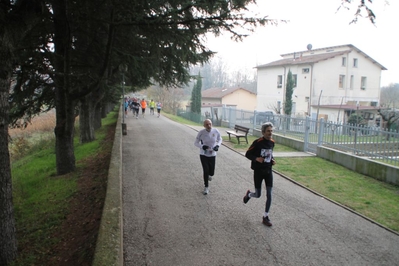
column 238, row 129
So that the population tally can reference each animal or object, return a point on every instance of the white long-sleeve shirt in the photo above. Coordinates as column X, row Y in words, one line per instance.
column 210, row 139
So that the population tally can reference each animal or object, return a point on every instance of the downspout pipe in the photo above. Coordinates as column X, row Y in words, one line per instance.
column 310, row 90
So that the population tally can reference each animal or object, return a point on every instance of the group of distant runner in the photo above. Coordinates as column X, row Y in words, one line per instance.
column 135, row 104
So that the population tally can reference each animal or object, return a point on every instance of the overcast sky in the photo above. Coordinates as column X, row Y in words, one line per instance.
column 316, row 22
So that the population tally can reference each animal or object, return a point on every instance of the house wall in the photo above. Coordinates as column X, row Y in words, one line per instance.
column 242, row 99
column 267, row 92
column 326, row 77
column 302, row 89
column 322, row 79
column 210, row 101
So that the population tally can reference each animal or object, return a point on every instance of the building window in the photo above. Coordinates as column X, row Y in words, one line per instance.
column 279, row 81
column 355, row 62
column 294, row 77
column 363, row 83
column 305, row 70
column 351, row 82
column 341, row 81
column 343, row 61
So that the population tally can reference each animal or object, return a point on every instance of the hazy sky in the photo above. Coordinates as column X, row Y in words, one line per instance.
column 316, row 22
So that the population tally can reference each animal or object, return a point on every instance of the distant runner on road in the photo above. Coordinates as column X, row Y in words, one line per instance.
column 159, row 107
column 152, row 106
column 143, row 104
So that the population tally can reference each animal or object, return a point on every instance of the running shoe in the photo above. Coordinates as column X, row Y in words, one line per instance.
column 266, row 221
column 209, row 178
column 246, row 197
column 206, row 191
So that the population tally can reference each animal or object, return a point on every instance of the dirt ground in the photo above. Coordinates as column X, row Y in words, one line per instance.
column 80, row 228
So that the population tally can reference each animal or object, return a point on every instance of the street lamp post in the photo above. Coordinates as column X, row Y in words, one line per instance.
column 123, row 69
column 123, row 97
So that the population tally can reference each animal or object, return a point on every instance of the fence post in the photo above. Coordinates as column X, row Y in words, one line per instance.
column 321, row 132
column 255, row 116
column 306, row 137
column 230, row 117
column 224, row 116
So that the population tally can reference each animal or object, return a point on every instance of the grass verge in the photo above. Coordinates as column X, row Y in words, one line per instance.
column 374, row 199
column 43, row 201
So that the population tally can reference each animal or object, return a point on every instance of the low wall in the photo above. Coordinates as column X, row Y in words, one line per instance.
column 289, row 142
column 109, row 246
column 380, row 171
column 377, row 170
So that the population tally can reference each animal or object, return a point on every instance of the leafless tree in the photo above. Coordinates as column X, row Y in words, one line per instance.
column 390, row 96
column 171, row 98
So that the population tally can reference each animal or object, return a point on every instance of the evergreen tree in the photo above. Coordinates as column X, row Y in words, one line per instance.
column 196, row 95
column 289, row 90
column 198, row 90
column 193, row 101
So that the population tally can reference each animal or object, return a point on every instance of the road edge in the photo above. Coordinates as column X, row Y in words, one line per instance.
column 109, row 246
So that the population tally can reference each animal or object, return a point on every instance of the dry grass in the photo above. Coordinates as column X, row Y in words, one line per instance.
column 39, row 131
column 43, row 123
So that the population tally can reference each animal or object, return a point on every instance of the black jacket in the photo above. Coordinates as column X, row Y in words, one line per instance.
column 261, row 148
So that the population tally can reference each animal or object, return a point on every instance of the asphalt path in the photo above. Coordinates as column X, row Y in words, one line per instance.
column 168, row 221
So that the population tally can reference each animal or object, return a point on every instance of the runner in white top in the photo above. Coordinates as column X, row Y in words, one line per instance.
column 209, row 141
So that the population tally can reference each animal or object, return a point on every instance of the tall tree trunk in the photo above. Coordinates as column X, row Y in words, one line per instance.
column 97, row 115
column 90, row 115
column 8, row 241
column 86, row 114
column 65, row 105
column 17, row 20
column 104, row 108
column 64, row 133
column 98, row 95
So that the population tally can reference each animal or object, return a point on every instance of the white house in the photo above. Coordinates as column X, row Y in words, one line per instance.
column 330, row 82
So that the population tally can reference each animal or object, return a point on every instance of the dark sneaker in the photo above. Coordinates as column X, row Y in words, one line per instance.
column 266, row 221
column 246, row 197
column 209, row 178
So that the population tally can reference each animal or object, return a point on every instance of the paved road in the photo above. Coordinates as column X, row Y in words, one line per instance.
column 167, row 220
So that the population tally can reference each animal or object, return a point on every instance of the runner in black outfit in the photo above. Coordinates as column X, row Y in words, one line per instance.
column 261, row 155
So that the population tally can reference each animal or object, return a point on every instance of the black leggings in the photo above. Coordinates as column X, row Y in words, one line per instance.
column 208, row 166
column 259, row 176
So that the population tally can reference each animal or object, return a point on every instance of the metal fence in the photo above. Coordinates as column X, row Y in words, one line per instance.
column 371, row 142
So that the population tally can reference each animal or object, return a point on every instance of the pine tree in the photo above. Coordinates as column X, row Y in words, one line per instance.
column 196, row 95
column 198, row 90
column 289, row 90
column 193, row 100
